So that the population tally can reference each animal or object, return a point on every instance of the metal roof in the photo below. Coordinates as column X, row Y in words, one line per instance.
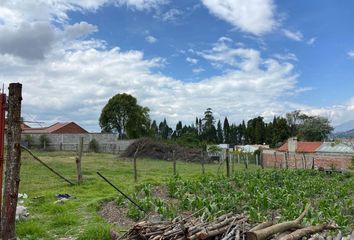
column 330, row 147
column 248, row 148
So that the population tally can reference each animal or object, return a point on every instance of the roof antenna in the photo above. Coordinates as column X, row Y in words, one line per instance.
column 2, row 91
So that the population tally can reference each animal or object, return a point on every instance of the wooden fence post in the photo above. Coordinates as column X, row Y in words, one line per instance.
column 233, row 163
column 246, row 160
column 305, row 161
column 227, row 163
column 275, row 159
column 78, row 160
column 2, row 139
column 174, row 163
column 13, row 162
column 202, row 161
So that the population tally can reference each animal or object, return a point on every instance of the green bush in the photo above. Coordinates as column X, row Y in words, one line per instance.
column 93, row 146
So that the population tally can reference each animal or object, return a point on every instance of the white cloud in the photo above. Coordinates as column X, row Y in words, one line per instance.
column 252, row 16
column 337, row 114
column 286, row 57
column 79, row 30
column 350, row 54
column 222, row 54
column 141, row 4
column 198, row 70
column 150, row 39
column 311, row 41
column 296, row 36
column 170, row 16
column 76, row 80
column 30, row 41
column 192, row 60
column 73, row 78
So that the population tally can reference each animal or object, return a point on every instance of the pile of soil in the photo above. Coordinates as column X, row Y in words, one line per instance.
column 116, row 215
column 150, row 148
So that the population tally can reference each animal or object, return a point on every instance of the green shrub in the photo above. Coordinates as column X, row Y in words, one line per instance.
column 93, row 146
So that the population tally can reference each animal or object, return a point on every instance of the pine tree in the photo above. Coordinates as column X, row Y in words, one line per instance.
column 219, row 133
column 226, row 131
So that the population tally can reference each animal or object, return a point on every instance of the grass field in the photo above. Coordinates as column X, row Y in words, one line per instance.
column 78, row 217
column 252, row 191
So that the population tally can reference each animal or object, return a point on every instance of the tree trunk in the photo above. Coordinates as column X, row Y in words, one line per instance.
column 298, row 234
column 13, row 162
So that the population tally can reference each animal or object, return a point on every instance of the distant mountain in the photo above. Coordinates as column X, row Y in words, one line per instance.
column 344, row 127
column 346, row 134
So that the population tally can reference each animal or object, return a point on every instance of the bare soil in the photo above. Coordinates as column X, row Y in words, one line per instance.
column 116, row 215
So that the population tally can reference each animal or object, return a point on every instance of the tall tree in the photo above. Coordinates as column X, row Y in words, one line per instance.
column 178, row 130
column 123, row 115
column 164, row 130
column 314, row 128
column 281, row 131
column 154, row 131
column 219, row 133
column 208, row 127
column 226, row 131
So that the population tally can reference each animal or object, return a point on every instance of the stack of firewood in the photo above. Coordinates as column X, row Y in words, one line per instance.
column 231, row 226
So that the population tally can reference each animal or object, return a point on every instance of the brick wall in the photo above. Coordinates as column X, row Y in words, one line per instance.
column 327, row 161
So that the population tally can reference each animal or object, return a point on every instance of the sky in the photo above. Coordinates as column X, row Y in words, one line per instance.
column 242, row 58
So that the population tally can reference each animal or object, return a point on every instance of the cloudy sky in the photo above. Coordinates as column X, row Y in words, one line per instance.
column 242, row 58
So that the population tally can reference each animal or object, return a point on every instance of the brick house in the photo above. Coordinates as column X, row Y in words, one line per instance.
column 299, row 154
column 66, row 127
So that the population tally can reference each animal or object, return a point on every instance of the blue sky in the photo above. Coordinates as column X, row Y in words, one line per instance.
column 242, row 58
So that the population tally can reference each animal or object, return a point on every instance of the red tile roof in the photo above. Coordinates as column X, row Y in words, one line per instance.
column 302, row 147
column 67, row 127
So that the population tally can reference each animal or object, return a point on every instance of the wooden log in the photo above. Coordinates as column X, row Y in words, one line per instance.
column 262, row 225
column 298, row 234
column 13, row 162
column 277, row 228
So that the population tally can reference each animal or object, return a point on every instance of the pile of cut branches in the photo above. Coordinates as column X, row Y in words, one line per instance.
column 230, row 226
column 225, row 227
column 150, row 148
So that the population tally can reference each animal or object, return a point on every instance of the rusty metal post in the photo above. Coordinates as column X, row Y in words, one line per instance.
column 2, row 134
column 13, row 161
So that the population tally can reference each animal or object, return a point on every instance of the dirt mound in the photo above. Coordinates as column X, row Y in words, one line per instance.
column 116, row 215
column 150, row 148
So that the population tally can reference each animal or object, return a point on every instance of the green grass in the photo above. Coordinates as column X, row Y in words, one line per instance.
column 254, row 191
column 78, row 217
